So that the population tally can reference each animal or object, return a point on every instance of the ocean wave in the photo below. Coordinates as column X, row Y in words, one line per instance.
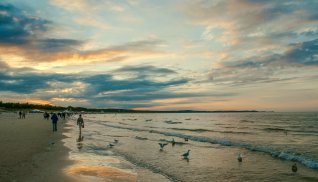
column 199, row 130
column 141, row 138
column 195, row 130
column 311, row 163
column 294, row 132
column 146, row 165
column 246, row 121
column 173, row 122
column 275, row 129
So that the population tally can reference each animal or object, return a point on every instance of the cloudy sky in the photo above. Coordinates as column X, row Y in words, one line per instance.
column 161, row 55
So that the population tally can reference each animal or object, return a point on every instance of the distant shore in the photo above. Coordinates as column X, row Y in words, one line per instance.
column 14, row 107
column 30, row 151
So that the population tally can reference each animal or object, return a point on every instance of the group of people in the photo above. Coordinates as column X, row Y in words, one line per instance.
column 46, row 115
column 21, row 115
column 55, row 117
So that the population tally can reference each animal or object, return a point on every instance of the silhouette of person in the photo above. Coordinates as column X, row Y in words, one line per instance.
column 54, row 119
column 80, row 123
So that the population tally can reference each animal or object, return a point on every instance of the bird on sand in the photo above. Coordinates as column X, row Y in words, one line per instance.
column 294, row 168
column 186, row 139
column 239, row 158
column 116, row 141
column 162, row 145
column 173, row 142
column 110, row 145
column 186, row 155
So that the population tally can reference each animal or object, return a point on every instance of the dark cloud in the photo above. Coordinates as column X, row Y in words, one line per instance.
column 22, row 84
column 146, row 69
column 98, row 85
column 29, row 82
column 101, row 89
column 58, row 45
column 264, row 69
column 17, row 27
column 305, row 53
column 300, row 54
column 104, row 83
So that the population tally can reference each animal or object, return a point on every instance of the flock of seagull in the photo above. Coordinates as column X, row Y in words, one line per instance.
column 186, row 154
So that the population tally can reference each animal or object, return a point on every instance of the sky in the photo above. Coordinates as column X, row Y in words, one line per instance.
column 161, row 55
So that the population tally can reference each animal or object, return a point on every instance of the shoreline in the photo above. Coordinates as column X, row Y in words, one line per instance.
column 30, row 150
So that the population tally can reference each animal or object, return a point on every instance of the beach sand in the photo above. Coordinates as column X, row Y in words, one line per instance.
column 30, row 151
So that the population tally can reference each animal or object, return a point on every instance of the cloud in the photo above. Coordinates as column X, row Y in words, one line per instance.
column 146, row 70
column 244, row 23
column 300, row 54
column 17, row 27
column 23, row 34
column 25, row 37
column 104, row 83
column 89, row 11
column 58, row 45
column 100, row 89
column 269, row 68
column 305, row 53
column 55, row 85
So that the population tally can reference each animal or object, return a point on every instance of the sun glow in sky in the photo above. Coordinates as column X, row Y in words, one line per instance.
column 161, row 55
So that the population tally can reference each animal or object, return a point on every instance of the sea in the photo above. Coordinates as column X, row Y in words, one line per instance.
column 125, row 147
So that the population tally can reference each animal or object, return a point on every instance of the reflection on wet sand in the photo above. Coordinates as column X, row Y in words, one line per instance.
column 79, row 141
column 102, row 171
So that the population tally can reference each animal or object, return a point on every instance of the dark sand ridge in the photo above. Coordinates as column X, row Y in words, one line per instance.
column 30, row 151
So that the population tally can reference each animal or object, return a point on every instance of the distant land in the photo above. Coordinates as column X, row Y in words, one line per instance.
column 10, row 106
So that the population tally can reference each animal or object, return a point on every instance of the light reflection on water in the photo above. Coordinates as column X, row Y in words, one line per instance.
column 94, row 161
column 115, row 174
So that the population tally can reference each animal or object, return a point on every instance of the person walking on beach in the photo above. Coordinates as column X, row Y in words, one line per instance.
column 54, row 119
column 20, row 114
column 80, row 123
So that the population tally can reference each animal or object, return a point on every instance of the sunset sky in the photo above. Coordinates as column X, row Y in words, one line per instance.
column 161, row 55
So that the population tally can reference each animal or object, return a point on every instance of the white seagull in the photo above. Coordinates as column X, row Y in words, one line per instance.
column 239, row 158
column 162, row 145
column 186, row 155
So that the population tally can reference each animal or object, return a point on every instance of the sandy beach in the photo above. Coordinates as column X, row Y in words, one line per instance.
column 30, row 151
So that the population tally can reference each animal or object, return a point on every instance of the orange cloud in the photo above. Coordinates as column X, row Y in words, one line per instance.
column 20, row 55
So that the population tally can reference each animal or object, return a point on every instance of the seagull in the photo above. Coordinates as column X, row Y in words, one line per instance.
column 239, row 158
column 173, row 142
column 186, row 139
column 162, row 145
column 110, row 145
column 294, row 168
column 186, row 155
column 115, row 141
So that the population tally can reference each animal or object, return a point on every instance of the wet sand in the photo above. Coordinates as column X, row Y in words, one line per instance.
column 30, row 151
